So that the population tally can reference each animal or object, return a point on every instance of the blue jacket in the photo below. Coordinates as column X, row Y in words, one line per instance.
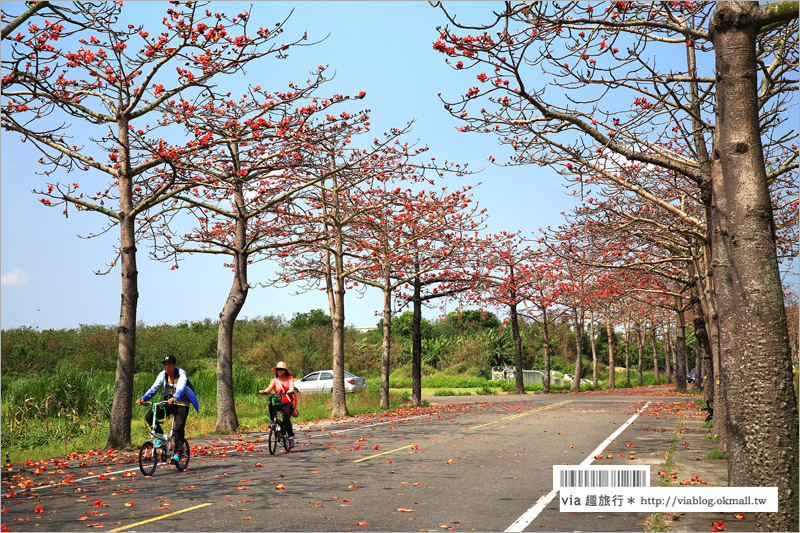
column 182, row 388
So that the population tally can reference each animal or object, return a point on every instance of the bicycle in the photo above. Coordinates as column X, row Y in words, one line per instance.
column 150, row 454
column 277, row 433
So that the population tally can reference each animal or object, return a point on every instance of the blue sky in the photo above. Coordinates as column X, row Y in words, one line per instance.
column 383, row 48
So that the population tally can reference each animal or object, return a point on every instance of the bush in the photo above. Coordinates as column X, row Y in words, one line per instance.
column 400, row 378
column 448, row 392
column 510, row 386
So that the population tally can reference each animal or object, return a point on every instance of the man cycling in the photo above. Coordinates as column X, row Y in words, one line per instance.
column 179, row 396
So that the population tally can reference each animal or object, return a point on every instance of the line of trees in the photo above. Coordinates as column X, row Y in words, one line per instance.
column 698, row 146
column 688, row 177
column 468, row 341
column 285, row 175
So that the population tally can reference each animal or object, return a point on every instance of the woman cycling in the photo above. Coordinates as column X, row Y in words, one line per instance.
column 283, row 384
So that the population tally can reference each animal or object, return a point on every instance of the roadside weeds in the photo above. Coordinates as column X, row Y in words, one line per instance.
column 657, row 521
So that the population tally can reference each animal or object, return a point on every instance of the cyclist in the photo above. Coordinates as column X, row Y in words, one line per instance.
column 283, row 384
column 178, row 394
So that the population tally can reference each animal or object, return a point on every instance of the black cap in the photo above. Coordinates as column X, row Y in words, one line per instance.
column 169, row 359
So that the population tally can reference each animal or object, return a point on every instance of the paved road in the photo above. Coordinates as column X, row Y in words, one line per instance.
column 467, row 464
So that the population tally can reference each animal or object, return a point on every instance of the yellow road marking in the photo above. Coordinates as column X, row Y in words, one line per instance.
column 160, row 517
column 518, row 415
column 382, row 453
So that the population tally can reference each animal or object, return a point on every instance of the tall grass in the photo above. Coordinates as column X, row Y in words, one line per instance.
column 68, row 411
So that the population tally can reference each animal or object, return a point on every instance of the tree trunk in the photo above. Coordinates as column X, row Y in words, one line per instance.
column 227, row 420
column 416, row 343
column 627, row 354
column 680, row 347
column 756, row 375
column 640, row 362
column 669, row 357
column 517, row 350
column 594, row 348
column 339, row 401
column 720, row 406
column 546, row 339
column 578, row 320
column 704, row 373
column 119, row 426
column 655, row 353
column 386, row 348
column 611, row 365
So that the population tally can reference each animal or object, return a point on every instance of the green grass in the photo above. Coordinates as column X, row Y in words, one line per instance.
column 448, row 392
column 445, row 392
column 458, row 386
column 716, row 453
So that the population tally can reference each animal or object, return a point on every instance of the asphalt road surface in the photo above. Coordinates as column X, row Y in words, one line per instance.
column 466, row 464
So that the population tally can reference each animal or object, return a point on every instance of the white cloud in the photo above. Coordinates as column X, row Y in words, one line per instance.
column 15, row 278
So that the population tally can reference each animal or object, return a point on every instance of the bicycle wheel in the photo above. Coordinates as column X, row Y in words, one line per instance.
column 272, row 439
column 286, row 442
column 185, row 453
column 148, row 458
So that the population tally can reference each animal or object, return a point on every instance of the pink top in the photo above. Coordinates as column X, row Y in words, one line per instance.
column 283, row 385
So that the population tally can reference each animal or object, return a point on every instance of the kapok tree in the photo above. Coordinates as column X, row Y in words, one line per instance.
column 505, row 264
column 336, row 203
column 620, row 232
column 616, row 235
column 389, row 236
column 112, row 79
column 580, row 288
column 447, row 272
column 717, row 128
column 243, row 206
column 543, row 291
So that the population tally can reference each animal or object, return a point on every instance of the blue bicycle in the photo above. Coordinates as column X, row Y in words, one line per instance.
column 160, row 447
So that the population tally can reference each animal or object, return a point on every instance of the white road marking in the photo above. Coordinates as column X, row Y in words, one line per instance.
column 530, row 515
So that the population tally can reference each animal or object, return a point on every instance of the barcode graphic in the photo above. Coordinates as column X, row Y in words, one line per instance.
column 571, row 477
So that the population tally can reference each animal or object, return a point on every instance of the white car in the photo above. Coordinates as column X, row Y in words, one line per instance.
column 322, row 381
